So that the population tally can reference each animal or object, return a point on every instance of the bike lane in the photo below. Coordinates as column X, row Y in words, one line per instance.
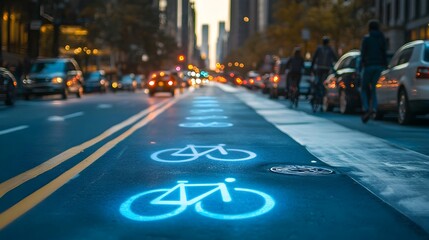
column 137, row 190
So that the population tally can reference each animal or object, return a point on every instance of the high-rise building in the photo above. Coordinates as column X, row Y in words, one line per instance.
column 265, row 9
column 205, row 45
column 180, row 24
column 221, row 44
column 243, row 22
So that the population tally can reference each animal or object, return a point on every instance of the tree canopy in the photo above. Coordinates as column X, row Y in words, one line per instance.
column 130, row 26
column 344, row 22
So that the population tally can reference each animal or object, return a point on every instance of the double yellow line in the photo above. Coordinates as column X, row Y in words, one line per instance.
column 23, row 206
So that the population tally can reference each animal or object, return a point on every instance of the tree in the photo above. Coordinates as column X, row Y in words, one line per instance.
column 132, row 28
column 344, row 22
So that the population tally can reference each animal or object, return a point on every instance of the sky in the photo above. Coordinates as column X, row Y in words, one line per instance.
column 211, row 12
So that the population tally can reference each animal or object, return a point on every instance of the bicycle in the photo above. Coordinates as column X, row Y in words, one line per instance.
column 317, row 95
column 293, row 94
column 192, row 152
column 146, row 207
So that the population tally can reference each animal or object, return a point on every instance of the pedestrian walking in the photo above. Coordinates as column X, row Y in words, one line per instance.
column 373, row 62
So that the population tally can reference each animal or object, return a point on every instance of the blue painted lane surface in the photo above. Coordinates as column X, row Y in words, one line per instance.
column 127, row 194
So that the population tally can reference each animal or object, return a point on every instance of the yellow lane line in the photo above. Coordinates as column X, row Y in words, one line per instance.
column 41, row 194
column 16, row 181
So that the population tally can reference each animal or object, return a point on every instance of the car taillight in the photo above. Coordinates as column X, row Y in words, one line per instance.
column 170, row 83
column 422, row 72
column 276, row 78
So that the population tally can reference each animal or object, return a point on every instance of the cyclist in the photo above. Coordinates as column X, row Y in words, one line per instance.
column 294, row 68
column 323, row 60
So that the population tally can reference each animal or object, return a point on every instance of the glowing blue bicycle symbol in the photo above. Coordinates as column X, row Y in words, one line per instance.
column 206, row 125
column 192, row 152
column 139, row 207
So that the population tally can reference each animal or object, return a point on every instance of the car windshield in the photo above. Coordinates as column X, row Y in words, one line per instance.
column 127, row 78
column 426, row 53
column 48, row 67
column 94, row 76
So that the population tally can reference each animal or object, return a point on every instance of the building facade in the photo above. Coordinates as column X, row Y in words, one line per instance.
column 205, row 49
column 403, row 20
column 221, row 43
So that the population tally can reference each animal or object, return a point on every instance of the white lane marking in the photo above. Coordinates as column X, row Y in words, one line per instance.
column 104, row 106
column 397, row 175
column 62, row 118
column 6, row 131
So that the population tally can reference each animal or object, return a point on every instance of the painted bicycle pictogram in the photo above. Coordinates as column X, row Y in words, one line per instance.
column 239, row 203
column 193, row 152
column 206, row 125
column 211, row 117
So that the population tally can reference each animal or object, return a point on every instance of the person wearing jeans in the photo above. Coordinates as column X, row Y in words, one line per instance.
column 373, row 62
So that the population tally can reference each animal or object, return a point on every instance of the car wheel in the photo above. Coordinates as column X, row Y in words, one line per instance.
column 273, row 93
column 265, row 90
column 64, row 94
column 326, row 106
column 345, row 104
column 10, row 97
column 172, row 93
column 79, row 92
column 404, row 114
column 26, row 96
column 151, row 93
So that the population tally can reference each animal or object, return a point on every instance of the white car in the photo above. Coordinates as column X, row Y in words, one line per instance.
column 404, row 86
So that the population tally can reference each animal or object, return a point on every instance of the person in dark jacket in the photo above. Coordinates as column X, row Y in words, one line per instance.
column 323, row 60
column 373, row 62
column 294, row 67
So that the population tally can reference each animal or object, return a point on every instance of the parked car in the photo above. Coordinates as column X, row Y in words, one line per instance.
column 162, row 81
column 404, row 87
column 7, row 87
column 253, row 80
column 342, row 85
column 53, row 76
column 277, row 82
column 126, row 82
column 96, row 82
column 307, row 79
column 140, row 80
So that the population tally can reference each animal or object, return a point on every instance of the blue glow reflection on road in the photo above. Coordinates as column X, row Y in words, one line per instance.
column 269, row 204
column 163, row 197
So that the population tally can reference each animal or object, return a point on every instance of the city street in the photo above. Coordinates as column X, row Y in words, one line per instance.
column 216, row 162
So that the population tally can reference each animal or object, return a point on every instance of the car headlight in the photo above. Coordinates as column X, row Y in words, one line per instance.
column 26, row 81
column 57, row 80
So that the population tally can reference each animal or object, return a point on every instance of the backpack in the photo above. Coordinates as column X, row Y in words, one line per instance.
column 325, row 58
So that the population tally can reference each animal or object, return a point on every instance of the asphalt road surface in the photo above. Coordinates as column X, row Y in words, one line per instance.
column 205, row 165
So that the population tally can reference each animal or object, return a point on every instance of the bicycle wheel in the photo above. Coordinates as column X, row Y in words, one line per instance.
column 267, row 205
column 242, row 155
column 129, row 208
column 315, row 104
column 167, row 156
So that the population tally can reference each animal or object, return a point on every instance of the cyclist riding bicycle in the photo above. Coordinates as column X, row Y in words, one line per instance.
column 323, row 60
column 294, row 68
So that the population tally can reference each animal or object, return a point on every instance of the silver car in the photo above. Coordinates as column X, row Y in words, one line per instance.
column 404, row 86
